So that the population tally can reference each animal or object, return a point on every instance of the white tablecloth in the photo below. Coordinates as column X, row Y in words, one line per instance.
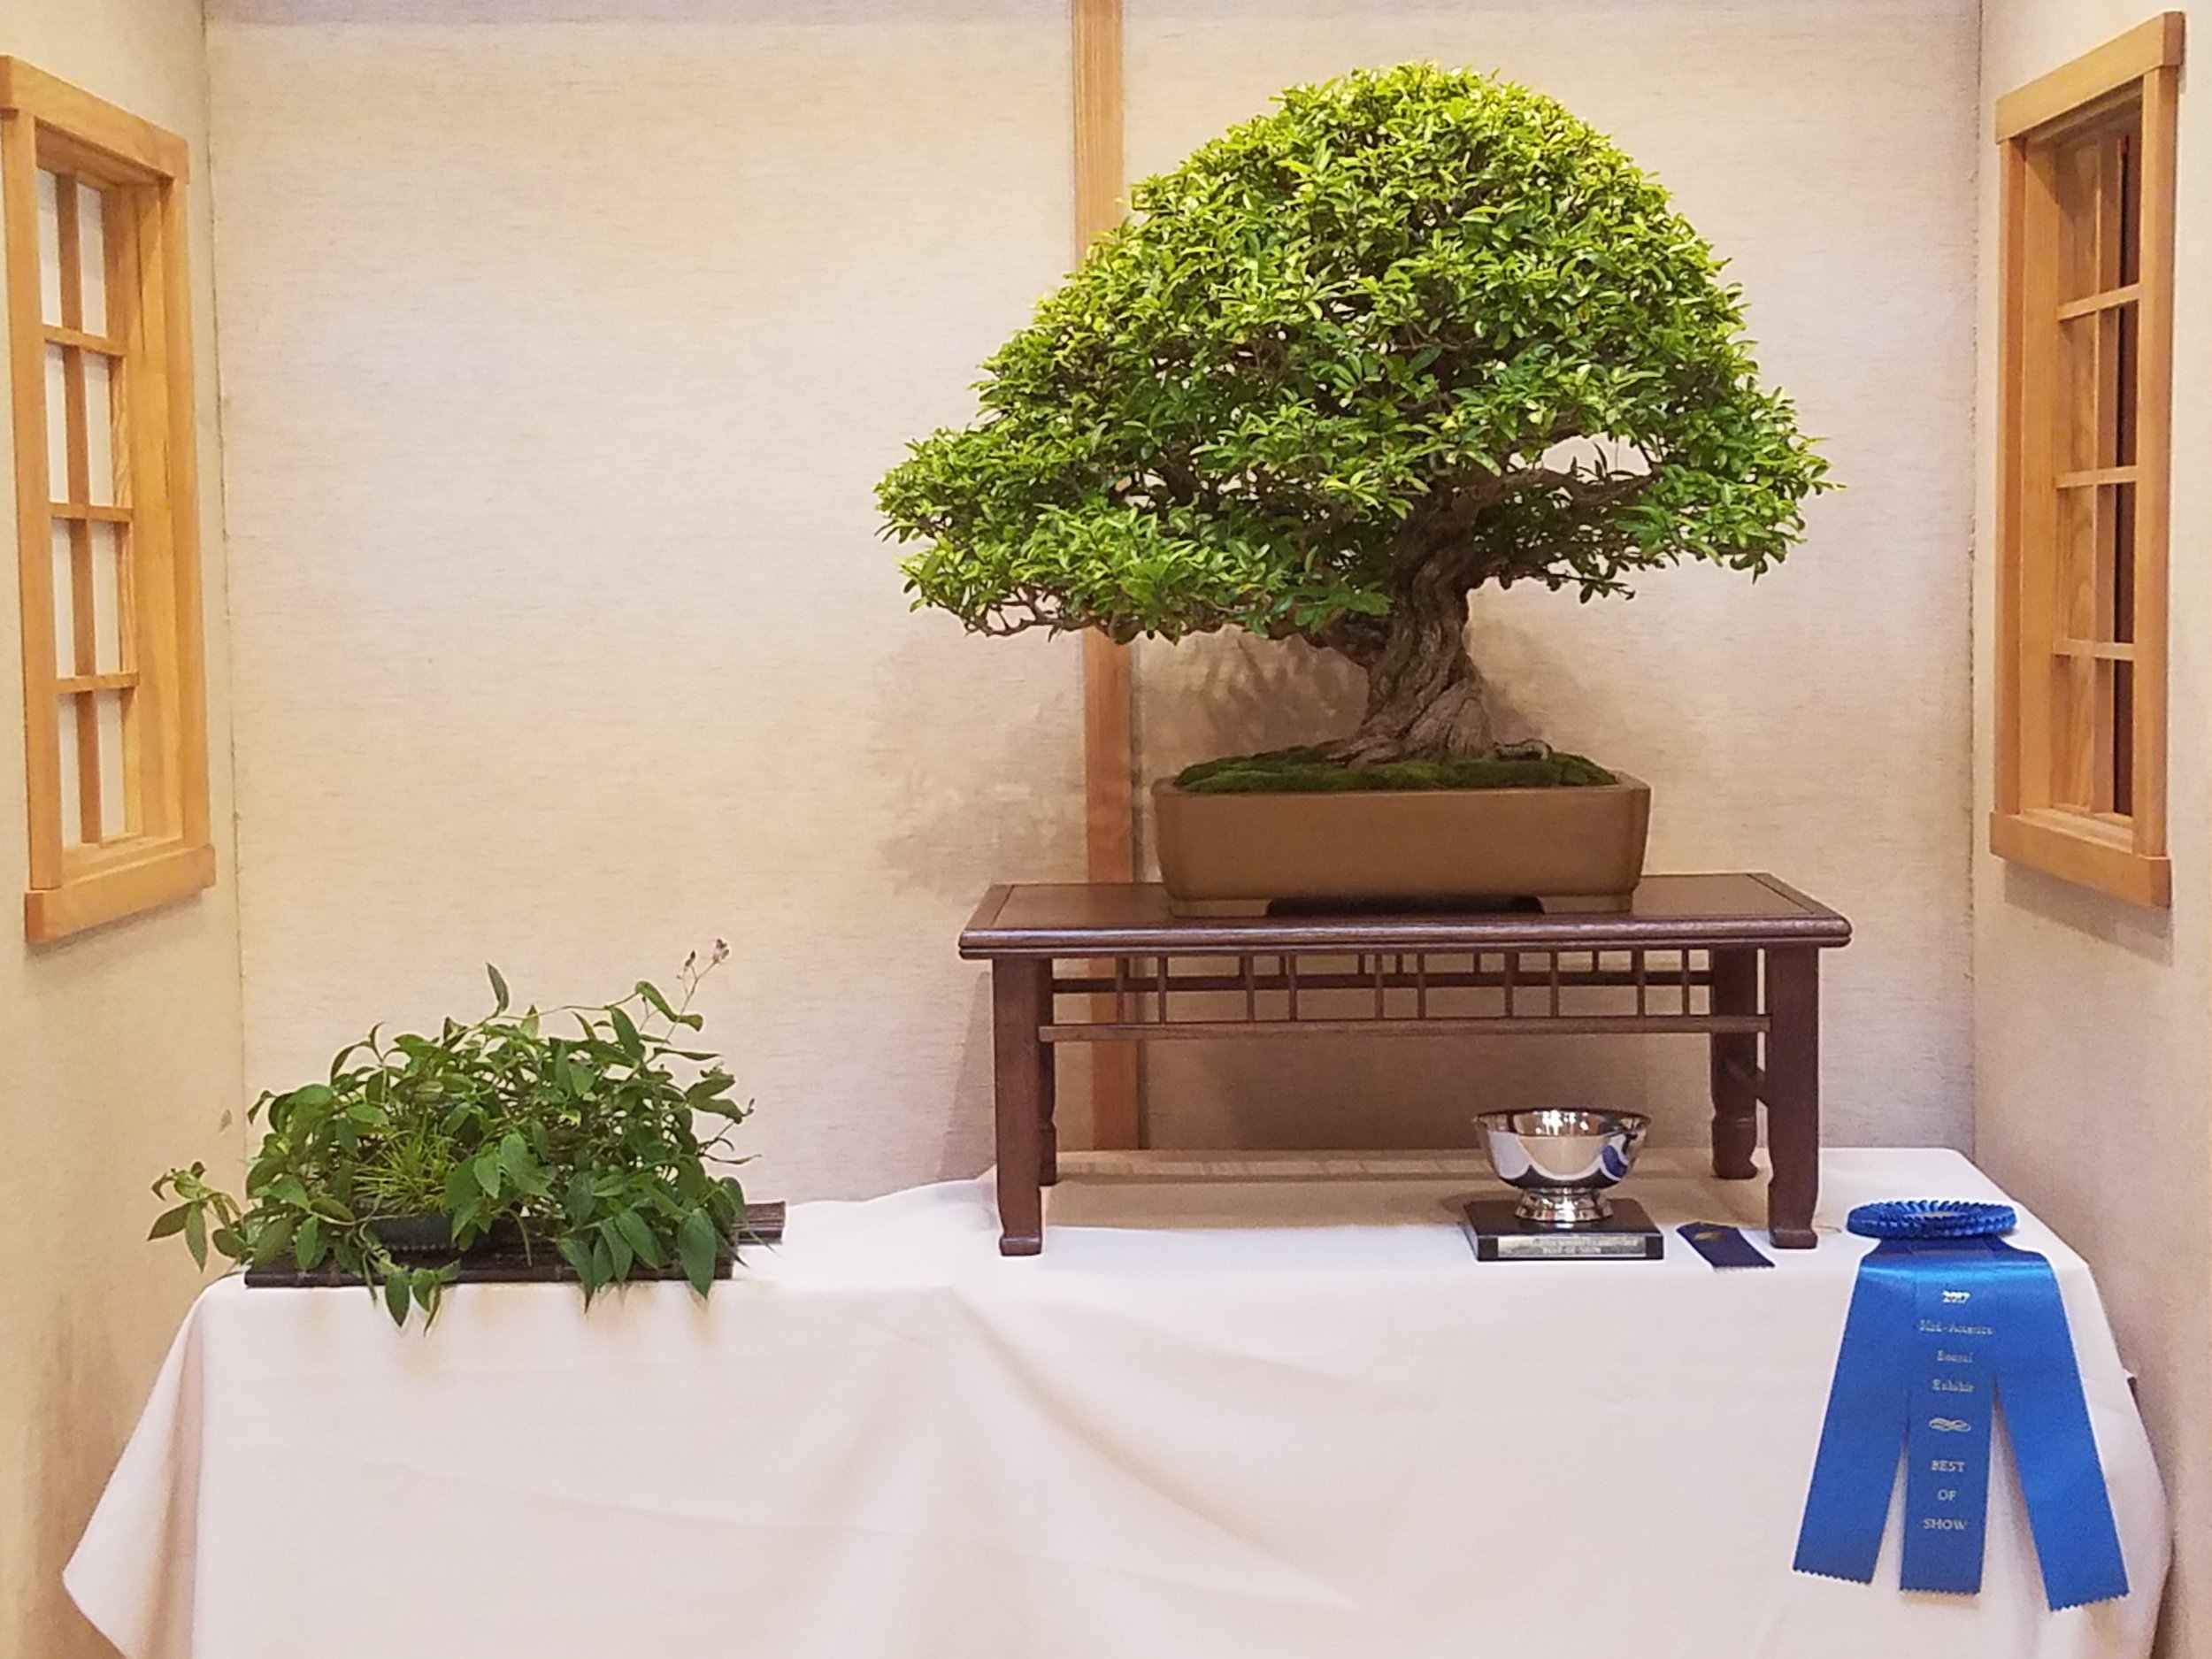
column 1271, row 1418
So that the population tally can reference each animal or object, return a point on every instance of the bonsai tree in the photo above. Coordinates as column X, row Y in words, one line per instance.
column 1414, row 331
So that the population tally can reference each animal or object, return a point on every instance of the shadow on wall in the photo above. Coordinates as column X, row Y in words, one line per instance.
column 967, row 1148
column 978, row 782
column 1323, row 1094
column 2146, row 933
column 1236, row 693
column 1012, row 810
column 1538, row 690
column 84, row 1412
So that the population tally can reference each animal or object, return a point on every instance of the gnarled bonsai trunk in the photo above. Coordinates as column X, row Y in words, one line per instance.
column 1425, row 697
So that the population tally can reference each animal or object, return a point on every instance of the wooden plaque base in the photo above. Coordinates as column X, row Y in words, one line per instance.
column 1499, row 1235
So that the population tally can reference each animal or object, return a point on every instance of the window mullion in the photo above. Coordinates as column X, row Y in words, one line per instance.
column 2038, row 502
column 19, row 207
column 153, row 715
column 2154, row 376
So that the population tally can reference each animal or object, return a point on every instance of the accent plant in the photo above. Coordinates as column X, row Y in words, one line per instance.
column 580, row 1140
column 1414, row 331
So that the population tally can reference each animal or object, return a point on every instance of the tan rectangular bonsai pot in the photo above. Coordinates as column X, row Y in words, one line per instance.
column 1574, row 848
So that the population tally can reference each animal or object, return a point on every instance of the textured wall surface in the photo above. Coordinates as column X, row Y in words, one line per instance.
column 2093, row 1056
column 562, row 340
column 118, row 1048
column 561, row 352
column 1814, row 724
column 564, row 347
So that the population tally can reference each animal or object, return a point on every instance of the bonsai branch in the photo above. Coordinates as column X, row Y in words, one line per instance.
column 1581, row 489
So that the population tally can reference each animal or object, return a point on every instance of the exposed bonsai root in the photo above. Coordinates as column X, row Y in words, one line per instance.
column 1455, row 727
column 1425, row 697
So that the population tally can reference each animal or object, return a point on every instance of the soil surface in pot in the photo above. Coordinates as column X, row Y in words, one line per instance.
column 433, row 1235
column 1308, row 772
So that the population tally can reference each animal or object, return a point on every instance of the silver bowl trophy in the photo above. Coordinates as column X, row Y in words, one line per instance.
column 1561, row 1162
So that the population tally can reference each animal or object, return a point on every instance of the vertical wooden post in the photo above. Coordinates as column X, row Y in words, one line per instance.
column 1098, row 161
column 1793, row 1093
column 1109, row 732
column 1019, row 1003
column 1734, row 1062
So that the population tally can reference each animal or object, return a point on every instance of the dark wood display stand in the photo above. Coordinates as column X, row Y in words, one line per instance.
column 1689, row 956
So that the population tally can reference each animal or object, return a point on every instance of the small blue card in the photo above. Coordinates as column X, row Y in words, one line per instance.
column 1722, row 1245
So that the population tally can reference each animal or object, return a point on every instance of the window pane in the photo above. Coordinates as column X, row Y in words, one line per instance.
column 2077, row 569
column 2123, row 739
column 2078, row 406
column 56, row 424
column 2073, row 732
column 2122, row 338
column 2121, row 564
column 64, row 603
column 108, row 705
column 107, row 598
column 71, row 826
column 92, row 258
column 2076, row 166
column 99, row 431
column 2129, row 207
column 2107, row 757
column 49, row 248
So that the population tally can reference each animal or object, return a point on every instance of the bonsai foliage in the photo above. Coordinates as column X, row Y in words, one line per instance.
column 580, row 1140
column 1414, row 331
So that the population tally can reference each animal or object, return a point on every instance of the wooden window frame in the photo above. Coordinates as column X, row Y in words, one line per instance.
column 2122, row 855
column 165, row 852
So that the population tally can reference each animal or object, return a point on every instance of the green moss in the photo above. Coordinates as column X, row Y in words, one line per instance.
column 1305, row 771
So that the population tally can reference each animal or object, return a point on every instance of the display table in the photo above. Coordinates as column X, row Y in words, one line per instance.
column 1290, row 1418
column 1689, row 955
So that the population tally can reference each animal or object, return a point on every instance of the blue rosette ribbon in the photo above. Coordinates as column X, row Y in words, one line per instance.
column 1946, row 1319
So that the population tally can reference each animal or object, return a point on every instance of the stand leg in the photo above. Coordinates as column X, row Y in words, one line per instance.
column 1048, row 1093
column 1020, row 1064
column 1793, row 1093
column 1735, row 1061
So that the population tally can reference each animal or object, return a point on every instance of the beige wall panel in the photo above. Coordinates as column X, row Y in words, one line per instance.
column 1814, row 724
column 118, row 1048
column 514, row 456
column 2093, row 1055
column 564, row 345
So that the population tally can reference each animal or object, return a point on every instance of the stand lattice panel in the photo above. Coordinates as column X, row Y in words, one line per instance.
column 1734, row 959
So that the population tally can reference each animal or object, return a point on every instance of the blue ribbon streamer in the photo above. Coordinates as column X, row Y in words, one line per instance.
column 1945, row 1320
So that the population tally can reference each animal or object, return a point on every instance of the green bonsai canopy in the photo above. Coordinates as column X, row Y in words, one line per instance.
column 1414, row 331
